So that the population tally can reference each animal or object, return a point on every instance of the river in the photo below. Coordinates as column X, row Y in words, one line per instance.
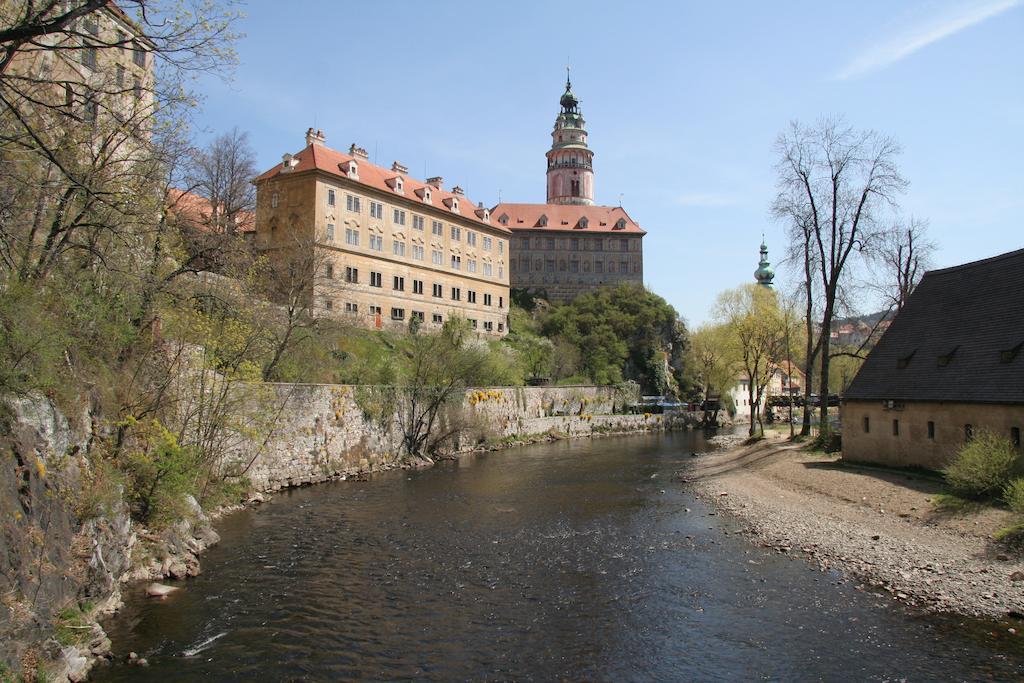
column 576, row 560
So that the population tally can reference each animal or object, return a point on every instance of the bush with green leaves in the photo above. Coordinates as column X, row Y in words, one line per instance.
column 982, row 467
column 1013, row 495
column 160, row 475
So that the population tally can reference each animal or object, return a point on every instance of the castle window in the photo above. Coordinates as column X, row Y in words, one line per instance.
column 455, row 204
column 330, row 232
column 417, row 222
column 273, row 200
column 620, row 224
column 437, row 228
column 399, row 184
column 138, row 55
column 1015, row 436
column 968, row 432
column 437, row 319
column 931, row 429
column 487, row 269
column 437, row 290
column 426, row 194
column 471, row 297
column 867, row 425
column 329, row 271
column 575, row 184
column 542, row 222
column 895, row 427
column 398, row 314
column 352, row 275
column 330, row 199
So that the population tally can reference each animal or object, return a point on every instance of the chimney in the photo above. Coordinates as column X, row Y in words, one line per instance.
column 314, row 137
column 458, row 190
column 437, row 182
column 479, row 205
column 399, row 168
column 355, row 151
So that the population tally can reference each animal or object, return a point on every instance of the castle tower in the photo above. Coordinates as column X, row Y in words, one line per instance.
column 570, row 161
column 764, row 273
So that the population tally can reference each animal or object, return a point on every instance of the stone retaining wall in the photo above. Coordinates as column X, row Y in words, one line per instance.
column 323, row 432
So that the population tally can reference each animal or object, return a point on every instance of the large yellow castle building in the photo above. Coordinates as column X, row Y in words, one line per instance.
column 388, row 248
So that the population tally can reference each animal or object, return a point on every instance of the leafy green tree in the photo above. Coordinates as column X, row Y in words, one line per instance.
column 624, row 332
column 756, row 329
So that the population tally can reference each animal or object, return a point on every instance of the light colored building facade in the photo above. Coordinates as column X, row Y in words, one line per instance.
column 950, row 364
column 389, row 248
column 570, row 246
column 97, row 70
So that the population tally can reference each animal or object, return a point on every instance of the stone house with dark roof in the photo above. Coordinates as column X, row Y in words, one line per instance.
column 950, row 364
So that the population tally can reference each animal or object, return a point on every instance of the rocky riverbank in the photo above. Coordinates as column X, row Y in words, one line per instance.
column 879, row 527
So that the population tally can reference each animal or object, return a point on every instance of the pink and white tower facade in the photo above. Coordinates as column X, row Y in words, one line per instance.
column 570, row 161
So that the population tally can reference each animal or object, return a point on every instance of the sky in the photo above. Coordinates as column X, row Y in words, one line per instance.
column 683, row 103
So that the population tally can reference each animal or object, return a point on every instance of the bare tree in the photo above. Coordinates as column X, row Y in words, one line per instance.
column 297, row 284
column 834, row 183
column 222, row 173
column 903, row 253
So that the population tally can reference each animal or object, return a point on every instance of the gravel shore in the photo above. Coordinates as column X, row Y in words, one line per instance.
column 877, row 526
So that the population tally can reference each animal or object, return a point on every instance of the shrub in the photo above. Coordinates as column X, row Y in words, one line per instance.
column 1013, row 495
column 160, row 474
column 982, row 467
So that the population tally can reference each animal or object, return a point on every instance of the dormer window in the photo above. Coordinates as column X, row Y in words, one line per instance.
column 399, row 184
column 620, row 224
column 455, row 204
column 426, row 194
column 351, row 169
column 542, row 222
column 583, row 222
column 503, row 219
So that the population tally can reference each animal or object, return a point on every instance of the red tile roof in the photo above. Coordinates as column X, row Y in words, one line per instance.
column 196, row 210
column 323, row 158
column 600, row 219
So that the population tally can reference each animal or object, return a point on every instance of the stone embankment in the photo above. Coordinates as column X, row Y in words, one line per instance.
column 323, row 432
column 878, row 527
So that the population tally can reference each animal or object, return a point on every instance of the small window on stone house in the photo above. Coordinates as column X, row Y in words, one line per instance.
column 867, row 424
column 931, row 429
column 1015, row 436
column 895, row 427
column 968, row 432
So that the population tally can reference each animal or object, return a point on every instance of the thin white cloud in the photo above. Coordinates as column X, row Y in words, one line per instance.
column 953, row 20
column 705, row 199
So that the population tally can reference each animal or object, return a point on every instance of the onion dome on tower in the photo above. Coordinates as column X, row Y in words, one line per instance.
column 764, row 273
column 570, row 160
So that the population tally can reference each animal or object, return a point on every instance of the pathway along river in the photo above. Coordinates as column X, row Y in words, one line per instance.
column 579, row 560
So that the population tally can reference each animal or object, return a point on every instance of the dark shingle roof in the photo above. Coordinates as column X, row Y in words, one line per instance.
column 952, row 340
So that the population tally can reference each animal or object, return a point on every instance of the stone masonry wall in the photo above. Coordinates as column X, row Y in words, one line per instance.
column 322, row 432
